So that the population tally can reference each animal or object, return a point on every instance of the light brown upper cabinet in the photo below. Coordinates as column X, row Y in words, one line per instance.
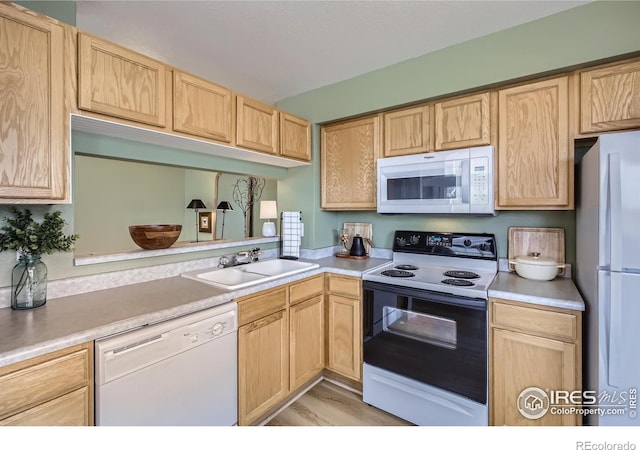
column 407, row 131
column 535, row 155
column 118, row 82
column 610, row 97
column 257, row 126
column 202, row 108
column 34, row 142
column 464, row 121
column 349, row 151
column 295, row 137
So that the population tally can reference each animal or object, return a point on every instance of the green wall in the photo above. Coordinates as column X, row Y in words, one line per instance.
column 121, row 193
column 64, row 11
column 587, row 33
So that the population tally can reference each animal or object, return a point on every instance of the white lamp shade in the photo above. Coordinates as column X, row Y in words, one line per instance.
column 268, row 209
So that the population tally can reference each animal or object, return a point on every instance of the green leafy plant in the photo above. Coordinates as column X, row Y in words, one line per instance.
column 28, row 237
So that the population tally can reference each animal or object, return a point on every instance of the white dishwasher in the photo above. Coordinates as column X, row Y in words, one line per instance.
column 179, row 372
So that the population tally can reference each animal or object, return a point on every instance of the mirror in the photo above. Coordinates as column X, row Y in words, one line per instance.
column 111, row 194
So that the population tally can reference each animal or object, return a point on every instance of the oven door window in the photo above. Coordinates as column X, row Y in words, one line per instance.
column 424, row 337
column 421, row 327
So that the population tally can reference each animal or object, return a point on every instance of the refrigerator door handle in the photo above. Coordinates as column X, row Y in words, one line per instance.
column 615, row 200
column 615, row 330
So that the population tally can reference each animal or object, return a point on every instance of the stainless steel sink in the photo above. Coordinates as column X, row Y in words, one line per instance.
column 239, row 277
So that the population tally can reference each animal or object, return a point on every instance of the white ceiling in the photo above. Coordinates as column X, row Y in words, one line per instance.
column 271, row 50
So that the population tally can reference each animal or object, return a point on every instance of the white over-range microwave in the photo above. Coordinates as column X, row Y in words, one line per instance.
column 446, row 182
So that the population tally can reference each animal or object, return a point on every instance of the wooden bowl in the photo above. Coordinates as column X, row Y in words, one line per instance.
column 154, row 237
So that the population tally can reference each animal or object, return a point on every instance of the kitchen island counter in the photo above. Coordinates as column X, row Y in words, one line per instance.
column 559, row 293
column 75, row 319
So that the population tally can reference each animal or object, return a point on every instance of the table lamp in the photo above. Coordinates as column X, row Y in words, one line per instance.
column 196, row 204
column 224, row 207
column 268, row 210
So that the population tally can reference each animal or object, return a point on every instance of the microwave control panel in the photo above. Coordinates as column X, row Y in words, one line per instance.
column 479, row 171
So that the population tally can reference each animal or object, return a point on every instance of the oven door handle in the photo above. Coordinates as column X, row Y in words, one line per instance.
column 448, row 299
column 427, row 295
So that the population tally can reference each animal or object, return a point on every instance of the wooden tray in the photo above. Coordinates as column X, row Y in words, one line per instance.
column 549, row 242
column 347, row 255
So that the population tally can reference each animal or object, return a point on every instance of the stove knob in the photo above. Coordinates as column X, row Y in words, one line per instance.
column 467, row 243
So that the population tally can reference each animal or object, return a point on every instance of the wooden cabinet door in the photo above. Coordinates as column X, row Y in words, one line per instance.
column 535, row 161
column 306, row 325
column 202, row 108
column 463, row 122
column 407, row 131
column 344, row 336
column 521, row 361
column 610, row 98
column 295, row 137
column 263, row 366
column 35, row 156
column 257, row 126
column 348, row 164
column 118, row 82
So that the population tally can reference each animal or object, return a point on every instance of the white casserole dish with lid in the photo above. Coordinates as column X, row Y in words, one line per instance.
column 535, row 267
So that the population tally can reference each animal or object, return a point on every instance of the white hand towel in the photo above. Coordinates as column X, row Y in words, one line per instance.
column 291, row 233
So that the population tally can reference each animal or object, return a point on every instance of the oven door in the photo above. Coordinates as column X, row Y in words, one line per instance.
column 423, row 184
column 430, row 337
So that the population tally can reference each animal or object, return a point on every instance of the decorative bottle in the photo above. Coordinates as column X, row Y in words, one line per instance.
column 28, row 283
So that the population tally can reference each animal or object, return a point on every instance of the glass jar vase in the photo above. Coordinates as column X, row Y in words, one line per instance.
column 28, row 283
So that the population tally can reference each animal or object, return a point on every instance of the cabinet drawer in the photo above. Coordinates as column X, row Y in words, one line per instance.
column 50, row 377
column 69, row 410
column 348, row 286
column 541, row 322
column 306, row 289
column 256, row 306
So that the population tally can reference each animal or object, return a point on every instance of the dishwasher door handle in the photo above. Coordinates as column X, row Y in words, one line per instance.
column 112, row 354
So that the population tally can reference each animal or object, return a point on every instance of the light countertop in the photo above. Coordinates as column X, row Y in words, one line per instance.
column 560, row 292
column 75, row 319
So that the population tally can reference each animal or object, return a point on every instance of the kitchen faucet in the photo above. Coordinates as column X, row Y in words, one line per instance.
column 243, row 257
column 252, row 255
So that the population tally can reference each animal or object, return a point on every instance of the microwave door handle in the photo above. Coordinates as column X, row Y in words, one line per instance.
column 465, row 181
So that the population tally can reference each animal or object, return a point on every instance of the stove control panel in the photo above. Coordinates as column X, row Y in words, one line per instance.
column 471, row 245
column 439, row 239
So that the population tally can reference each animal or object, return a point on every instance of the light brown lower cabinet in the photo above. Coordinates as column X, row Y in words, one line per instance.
column 533, row 347
column 306, row 326
column 280, row 345
column 343, row 331
column 263, row 362
column 52, row 389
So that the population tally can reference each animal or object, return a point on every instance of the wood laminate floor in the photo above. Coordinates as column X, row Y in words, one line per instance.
column 327, row 404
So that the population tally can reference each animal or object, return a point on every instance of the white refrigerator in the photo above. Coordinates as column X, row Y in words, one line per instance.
column 608, row 272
